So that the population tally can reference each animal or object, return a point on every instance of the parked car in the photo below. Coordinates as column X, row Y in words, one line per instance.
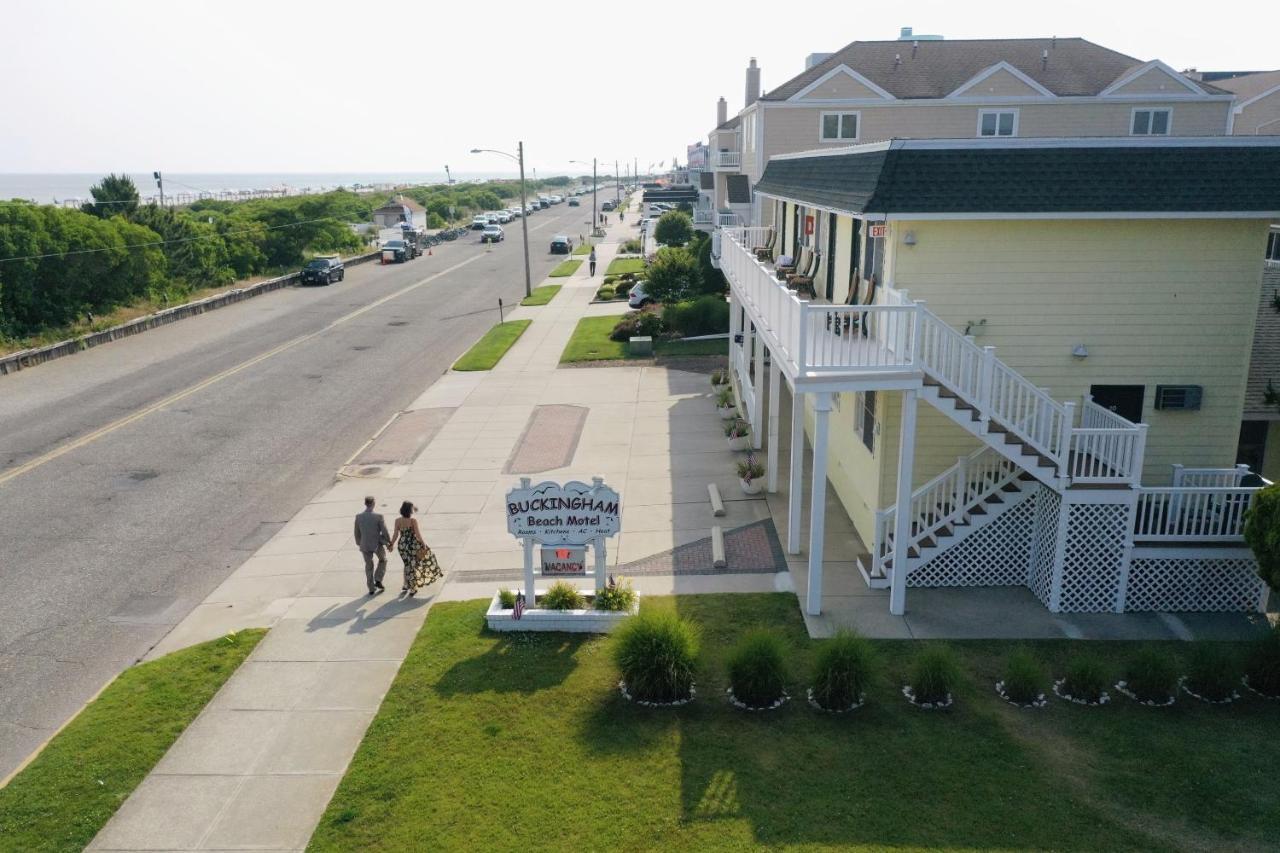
column 399, row 250
column 492, row 234
column 607, row 206
column 515, row 212
column 323, row 271
column 479, row 222
column 504, row 216
column 573, row 202
column 639, row 298
column 561, row 245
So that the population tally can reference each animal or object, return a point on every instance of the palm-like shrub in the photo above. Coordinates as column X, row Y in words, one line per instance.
column 842, row 671
column 616, row 597
column 933, row 675
column 1212, row 671
column 1086, row 678
column 1152, row 675
column 757, row 669
column 563, row 596
column 657, row 653
column 1024, row 678
column 1263, row 665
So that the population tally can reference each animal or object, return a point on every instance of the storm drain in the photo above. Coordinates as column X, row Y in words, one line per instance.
column 549, row 440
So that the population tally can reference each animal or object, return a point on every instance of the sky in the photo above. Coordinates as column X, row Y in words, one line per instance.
column 320, row 86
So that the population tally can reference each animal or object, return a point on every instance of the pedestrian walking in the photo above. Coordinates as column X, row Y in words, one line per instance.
column 372, row 539
column 420, row 565
column 592, row 261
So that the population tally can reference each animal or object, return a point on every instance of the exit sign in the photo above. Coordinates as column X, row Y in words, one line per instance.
column 879, row 230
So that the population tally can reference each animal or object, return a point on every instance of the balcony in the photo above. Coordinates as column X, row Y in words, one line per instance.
column 704, row 217
column 726, row 161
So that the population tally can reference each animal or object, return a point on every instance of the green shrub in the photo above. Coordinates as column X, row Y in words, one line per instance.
column 757, row 669
column 1024, row 678
column 1263, row 664
column 1213, row 672
column 637, row 323
column 1262, row 533
column 674, row 228
column 724, row 397
column 934, row 673
column 506, row 598
column 1086, row 678
column 605, row 293
column 657, row 653
column 673, row 276
column 563, row 596
column 616, row 597
column 634, row 246
column 622, row 289
column 737, row 428
column 610, row 279
column 842, row 671
column 706, row 315
column 1151, row 675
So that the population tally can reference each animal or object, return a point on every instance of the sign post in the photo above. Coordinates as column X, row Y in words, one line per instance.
column 566, row 517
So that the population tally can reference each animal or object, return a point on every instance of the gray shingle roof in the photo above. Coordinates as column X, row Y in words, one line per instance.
column 936, row 68
column 1035, row 176
column 1247, row 86
column 731, row 124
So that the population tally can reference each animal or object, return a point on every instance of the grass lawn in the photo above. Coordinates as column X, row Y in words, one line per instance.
column 582, row 248
column 62, row 799
column 565, row 268
column 541, row 295
column 590, row 342
column 620, row 265
column 490, row 349
column 509, row 742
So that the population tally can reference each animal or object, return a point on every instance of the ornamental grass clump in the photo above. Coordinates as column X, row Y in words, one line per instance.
column 724, row 398
column 737, row 429
column 562, row 596
column 1085, row 682
column 842, row 672
column 657, row 653
column 506, row 599
column 616, row 597
column 1213, row 673
column 1151, row 677
column 1262, row 667
column 757, row 670
column 1024, row 681
column 934, row 673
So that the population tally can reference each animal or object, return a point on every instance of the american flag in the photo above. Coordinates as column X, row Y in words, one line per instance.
column 519, row 608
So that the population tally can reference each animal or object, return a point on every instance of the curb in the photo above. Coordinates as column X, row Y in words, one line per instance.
column 29, row 358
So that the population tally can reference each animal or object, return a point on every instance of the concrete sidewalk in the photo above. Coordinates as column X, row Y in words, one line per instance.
column 258, row 766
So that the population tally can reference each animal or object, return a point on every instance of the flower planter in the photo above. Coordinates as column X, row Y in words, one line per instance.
column 1039, row 702
column 727, row 413
column 1058, row 691
column 1182, row 685
column 751, row 487
column 743, row 706
column 927, row 706
column 585, row 621
column 693, row 692
column 862, row 700
column 740, row 443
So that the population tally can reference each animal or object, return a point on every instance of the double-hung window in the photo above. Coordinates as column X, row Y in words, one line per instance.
column 1151, row 122
column 997, row 122
column 864, row 418
column 1273, row 247
column 838, row 127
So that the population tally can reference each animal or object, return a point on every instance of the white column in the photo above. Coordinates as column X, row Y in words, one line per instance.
column 601, row 564
column 530, row 600
column 735, row 312
column 795, row 478
column 818, row 502
column 757, row 385
column 902, row 513
column 775, row 391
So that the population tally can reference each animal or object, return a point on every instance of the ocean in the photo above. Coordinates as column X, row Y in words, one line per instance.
column 186, row 186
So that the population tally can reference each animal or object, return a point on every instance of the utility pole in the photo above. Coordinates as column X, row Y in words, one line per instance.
column 160, row 183
column 635, row 170
column 524, row 220
column 617, row 181
column 595, row 217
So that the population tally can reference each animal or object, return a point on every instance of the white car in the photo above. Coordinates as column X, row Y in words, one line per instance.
column 638, row 298
column 504, row 216
column 492, row 234
column 515, row 212
column 479, row 222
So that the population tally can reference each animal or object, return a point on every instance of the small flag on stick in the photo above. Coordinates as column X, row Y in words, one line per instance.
column 519, row 608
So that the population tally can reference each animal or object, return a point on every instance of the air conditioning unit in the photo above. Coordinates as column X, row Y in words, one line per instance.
column 1183, row 398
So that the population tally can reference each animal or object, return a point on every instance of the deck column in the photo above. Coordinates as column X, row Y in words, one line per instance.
column 795, row 477
column 757, row 383
column 818, row 502
column 775, row 391
column 902, row 511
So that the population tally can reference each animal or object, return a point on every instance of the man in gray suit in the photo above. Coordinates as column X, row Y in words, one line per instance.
column 372, row 538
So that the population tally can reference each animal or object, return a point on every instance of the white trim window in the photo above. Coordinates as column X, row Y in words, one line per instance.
column 838, row 127
column 1146, row 121
column 864, row 419
column 997, row 122
column 1273, row 247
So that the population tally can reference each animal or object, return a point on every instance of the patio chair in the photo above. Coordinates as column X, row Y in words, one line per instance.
column 765, row 252
column 801, row 262
column 802, row 278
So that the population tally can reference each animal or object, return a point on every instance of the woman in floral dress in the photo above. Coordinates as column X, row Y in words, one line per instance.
column 420, row 566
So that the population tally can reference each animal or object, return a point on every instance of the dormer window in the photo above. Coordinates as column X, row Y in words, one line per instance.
column 997, row 122
column 1151, row 122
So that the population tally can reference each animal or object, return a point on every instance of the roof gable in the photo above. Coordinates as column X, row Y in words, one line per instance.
column 1153, row 78
column 841, row 83
column 1001, row 80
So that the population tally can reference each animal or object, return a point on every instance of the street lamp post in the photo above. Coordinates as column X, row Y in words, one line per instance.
column 595, row 217
column 524, row 206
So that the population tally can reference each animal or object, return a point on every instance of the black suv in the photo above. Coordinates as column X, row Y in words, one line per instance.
column 323, row 271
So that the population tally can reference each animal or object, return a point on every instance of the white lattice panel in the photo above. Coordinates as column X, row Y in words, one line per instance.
column 996, row 555
column 1193, row 584
column 1044, row 539
column 1094, row 555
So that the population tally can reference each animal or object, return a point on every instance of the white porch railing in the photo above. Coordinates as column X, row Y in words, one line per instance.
column 704, row 217
column 1209, row 477
column 728, row 220
column 818, row 340
column 727, row 161
column 944, row 501
column 1190, row 513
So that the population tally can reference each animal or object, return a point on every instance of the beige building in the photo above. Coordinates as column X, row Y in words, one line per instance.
column 1077, row 316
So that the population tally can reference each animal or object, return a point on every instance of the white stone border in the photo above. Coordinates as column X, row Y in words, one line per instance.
column 1104, row 699
column 862, row 700
column 1182, row 685
column 738, row 703
column 1039, row 702
column 622, row 688
column 927, row 706
column 1247, row 686
column 1123, row 687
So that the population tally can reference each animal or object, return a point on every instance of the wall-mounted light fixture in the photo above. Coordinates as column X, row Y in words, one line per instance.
column 909, row 239
column 1080, row 351
column 975, row 327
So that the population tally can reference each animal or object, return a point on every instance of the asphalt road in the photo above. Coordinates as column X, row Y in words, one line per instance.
column 176, row 453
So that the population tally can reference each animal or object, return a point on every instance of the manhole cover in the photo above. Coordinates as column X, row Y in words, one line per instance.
column 362, row 471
